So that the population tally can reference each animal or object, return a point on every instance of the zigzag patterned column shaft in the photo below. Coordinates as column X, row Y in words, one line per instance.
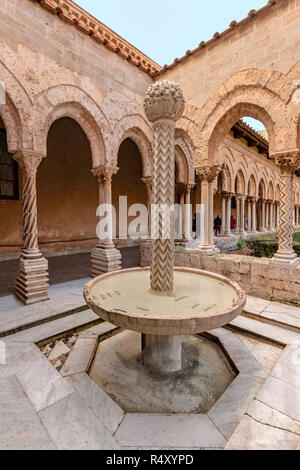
column 287, row 163
column 286, row 225
column 164, row 105
column 162, row 255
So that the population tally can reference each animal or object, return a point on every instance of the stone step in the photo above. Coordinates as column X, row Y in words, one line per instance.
column 65, row 299
column 55, row 327
column 273, row 333
column 274, row 313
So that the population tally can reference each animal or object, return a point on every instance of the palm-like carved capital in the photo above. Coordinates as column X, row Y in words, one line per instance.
column 164, row 100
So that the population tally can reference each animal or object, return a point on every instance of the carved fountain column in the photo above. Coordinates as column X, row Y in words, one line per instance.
column 105, row 256
column 33, row 281
column 164, row 105
column 287, row 163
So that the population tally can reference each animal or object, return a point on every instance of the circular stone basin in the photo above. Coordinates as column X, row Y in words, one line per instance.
column 201, row 301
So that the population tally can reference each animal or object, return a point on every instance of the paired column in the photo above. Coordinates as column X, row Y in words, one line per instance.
column 228, row 199
column 287, row 163
column 249, row 206
column 207, row 176
column 33, row 281
column 240, row 214
column 105, row 256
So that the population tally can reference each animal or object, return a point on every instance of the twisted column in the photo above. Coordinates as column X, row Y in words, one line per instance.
column 164, row 105
column 32, row 283
column 105, row 256
column 287, row 163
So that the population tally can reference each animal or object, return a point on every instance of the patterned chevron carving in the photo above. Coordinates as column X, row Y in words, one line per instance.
column 162, row 258
column 164, row 105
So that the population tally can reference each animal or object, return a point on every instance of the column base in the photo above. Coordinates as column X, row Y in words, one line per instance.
column 208, row 250
column 105, row 260
column 162, row 354
column 285, row 259
column 33, row 281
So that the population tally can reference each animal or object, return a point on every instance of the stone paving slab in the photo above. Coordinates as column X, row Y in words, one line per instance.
column 71, row 425
column 81, row 356
column 63, row 298
column 231, row 406
column 20, row 426
column 242, row 357
column 41, row 382
column 275, row 311
column 288, row 366
column 270, row 332
column 176, row 431
column 281, row 396
column 104, row 408
column 53, row 328
column 263, row 428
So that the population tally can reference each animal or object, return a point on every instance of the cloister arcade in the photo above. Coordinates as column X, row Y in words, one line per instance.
column 109, row 153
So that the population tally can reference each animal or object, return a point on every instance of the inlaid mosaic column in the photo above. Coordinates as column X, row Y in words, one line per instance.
column 148, row 183
column 287, row 163
column 105, row 257
column 164, row 105
column 33, row 281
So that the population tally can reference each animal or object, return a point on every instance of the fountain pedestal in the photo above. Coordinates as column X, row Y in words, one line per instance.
column 162, row 354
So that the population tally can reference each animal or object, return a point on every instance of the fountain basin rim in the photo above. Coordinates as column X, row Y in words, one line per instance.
column 166, row 325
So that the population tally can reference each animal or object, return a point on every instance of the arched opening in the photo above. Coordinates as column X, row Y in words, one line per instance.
column 10, row 203
column 128, row 182
column 67, row 192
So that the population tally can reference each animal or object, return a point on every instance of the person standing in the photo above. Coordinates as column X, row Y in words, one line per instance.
column 217, row 225
column 233, row 223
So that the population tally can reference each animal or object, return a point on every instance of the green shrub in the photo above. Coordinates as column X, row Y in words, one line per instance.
column 266, row 246
column 241, row 244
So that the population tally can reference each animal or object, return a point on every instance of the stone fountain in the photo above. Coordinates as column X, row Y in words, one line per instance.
column 164, row 303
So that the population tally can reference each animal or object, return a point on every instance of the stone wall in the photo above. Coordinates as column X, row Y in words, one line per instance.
column 256, row 276
column 270, row 41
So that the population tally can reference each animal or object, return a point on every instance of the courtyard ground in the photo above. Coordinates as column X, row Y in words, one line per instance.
column 56, row 404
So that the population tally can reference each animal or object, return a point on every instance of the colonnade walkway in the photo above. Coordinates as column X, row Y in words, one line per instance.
column 62, row 268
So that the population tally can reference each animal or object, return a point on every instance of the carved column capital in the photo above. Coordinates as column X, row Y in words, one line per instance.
column 28, row 161
column 104, row 173
column 208, row 173
column 164, row 100
column 288, row 162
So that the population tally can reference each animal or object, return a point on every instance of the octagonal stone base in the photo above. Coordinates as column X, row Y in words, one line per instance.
column 118, row 370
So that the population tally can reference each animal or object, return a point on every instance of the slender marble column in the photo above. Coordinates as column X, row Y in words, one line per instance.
column 207, row 176
column 105, row 256
column 254, row 229
column 228, row 215
column 287, row 163
column 238, row 214
column 249, row 216
column 242, row 226
column 263, row 216
column 223, row 229
column 32, row 283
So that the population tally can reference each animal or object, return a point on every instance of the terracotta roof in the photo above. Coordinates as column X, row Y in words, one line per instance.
column 254, row 138
column 72, row 13
column 233, row 25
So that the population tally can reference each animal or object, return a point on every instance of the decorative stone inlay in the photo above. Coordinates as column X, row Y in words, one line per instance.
column 164, row 105
column 287, row 163
column 32, row 283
